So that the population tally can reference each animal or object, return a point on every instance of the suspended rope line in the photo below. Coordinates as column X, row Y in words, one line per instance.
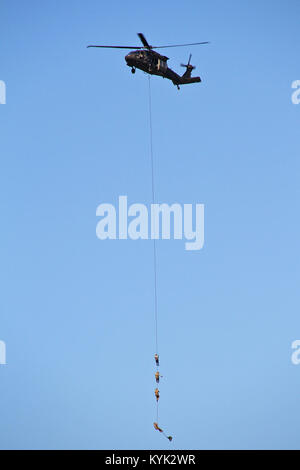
column 154, row 241
column 153, row 202
column 156, row 426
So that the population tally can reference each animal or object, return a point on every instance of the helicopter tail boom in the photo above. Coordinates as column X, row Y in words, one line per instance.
column 186, row 80
column 191, row 80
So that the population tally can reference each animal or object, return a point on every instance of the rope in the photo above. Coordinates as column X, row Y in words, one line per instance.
column 153, row 202
column 154, row 241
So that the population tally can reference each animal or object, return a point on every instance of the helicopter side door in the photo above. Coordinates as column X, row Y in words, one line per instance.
column 162, row 65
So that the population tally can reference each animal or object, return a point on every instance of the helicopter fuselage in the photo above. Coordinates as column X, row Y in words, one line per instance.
column 156, row 64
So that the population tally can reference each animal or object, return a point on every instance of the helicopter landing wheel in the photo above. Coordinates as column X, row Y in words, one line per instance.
column 133, row 70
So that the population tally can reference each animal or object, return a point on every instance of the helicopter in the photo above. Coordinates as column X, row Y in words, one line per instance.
column 146, row 59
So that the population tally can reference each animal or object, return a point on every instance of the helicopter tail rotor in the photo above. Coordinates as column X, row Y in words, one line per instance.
column 189, row 68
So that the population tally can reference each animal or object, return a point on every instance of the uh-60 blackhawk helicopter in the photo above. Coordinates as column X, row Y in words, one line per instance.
column 150, row 61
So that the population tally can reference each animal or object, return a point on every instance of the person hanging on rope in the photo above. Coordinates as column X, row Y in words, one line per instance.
column 157, row 376
column 156, row 357
column 157, row 427
column 156, row 391
column 160, row 430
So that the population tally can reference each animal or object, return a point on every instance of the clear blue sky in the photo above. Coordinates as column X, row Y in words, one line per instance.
column 76, row 312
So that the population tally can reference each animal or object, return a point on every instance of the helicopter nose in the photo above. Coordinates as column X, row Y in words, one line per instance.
column 129, row 57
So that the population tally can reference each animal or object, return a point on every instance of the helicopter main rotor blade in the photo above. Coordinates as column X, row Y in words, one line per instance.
column 181, row 45
column 146, row 45
column 144, row 41
column 118, row 47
